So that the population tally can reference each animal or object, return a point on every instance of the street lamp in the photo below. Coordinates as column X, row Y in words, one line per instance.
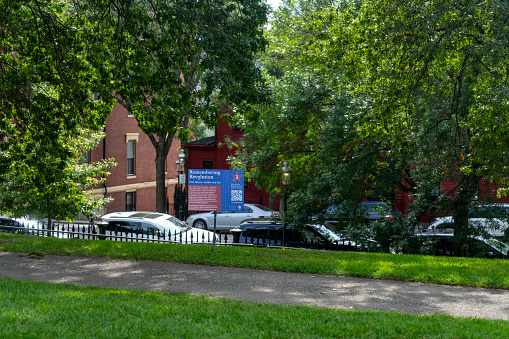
column 286, row 172
column 181, row 164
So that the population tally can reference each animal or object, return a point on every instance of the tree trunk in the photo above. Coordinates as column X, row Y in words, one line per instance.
column 162, row 147
column 467, row 190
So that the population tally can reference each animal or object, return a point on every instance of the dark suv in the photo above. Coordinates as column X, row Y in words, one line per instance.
column 264, row 232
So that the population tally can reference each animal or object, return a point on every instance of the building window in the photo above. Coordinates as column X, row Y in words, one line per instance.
column 131, row 139
column 207, row 164
column 85, row 157
column 131, row 157
column 130, row 201
column 435, row 192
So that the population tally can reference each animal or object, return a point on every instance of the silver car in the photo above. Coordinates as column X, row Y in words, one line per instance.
column 150, row 226
column 227, row 220
column 492, row 218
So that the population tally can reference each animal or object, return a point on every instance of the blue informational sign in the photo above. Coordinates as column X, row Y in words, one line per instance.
column 215, row 190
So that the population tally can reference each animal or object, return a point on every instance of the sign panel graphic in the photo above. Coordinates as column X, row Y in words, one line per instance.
column 215, row 190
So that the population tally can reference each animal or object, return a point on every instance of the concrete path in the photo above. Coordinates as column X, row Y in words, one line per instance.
column 260, row 286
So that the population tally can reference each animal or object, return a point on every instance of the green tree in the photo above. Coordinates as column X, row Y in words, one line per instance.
column 43, row 185
column 307, row 121
column 169, row 58
column 46, row 110
column 403, row 95
column 432, row 76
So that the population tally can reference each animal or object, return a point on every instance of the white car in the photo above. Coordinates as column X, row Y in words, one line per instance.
column 227, row 220
column 482, row 216
column 150, row 226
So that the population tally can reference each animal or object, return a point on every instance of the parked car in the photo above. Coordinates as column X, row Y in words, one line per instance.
column 8, row 225
column 227, row 220
column 483, row 247
column 492, row 218
column 365, row 211
column 151, row 226
column 22, row 225
column 264, row 232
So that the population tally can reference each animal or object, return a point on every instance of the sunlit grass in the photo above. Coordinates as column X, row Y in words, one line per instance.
column 491, row 273
column 42, row 310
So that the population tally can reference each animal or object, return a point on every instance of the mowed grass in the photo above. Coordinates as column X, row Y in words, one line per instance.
column 42, row 310
column 490, row 273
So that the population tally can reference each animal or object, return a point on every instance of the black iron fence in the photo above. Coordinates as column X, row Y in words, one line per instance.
column 101, row 231
column 292, row 241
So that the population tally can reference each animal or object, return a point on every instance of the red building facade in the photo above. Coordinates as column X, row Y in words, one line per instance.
column 212, row 153
column 132, row 182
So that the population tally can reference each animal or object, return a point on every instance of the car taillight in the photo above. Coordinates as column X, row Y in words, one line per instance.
column 389, row 217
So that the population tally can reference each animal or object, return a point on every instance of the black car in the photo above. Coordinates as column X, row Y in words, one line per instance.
column 442, row 244
column 264, row 232
column 8, row 225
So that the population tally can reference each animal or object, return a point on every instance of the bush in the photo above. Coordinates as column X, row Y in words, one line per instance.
column 392, row 236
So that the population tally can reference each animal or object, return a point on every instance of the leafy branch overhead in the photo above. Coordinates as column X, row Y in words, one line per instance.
column 169, row 59
column 47, row 111
column 394, row 95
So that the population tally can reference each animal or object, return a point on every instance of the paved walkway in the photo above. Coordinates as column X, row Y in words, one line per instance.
column 260, row 286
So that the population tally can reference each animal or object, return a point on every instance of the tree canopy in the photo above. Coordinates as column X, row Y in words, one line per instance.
column 169, row 59
column 47, row 110
column 163, row 60
column 433, row 78
column 383, row 95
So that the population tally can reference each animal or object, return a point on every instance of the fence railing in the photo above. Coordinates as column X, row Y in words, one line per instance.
column 65, row 230
column 276, row 240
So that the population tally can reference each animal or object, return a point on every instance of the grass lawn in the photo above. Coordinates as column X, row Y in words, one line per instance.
column 41, row 310
column 491, row 273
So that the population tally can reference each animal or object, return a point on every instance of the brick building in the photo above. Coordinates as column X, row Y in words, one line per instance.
column 212, row 153
column 132, row 183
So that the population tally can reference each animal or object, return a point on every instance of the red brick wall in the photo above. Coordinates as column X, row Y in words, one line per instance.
column 219, row 154
column 114, row 145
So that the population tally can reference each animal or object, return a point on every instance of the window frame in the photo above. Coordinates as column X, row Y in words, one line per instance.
column 130, row 206
column 131, row 139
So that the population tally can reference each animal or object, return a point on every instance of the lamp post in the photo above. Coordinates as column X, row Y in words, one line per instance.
column 286, row 171
column 181, row 164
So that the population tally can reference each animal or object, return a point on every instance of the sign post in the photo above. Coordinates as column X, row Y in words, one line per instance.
column 215, row 190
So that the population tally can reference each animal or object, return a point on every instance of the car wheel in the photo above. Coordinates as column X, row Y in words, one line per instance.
column 201, row 224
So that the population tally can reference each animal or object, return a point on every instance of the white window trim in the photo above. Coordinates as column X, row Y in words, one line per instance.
column 131, row 137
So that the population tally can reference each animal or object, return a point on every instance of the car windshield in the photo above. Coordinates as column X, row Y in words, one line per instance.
column 498, row 245
column 327, row 233
column 344, row 211
column 173, row 224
